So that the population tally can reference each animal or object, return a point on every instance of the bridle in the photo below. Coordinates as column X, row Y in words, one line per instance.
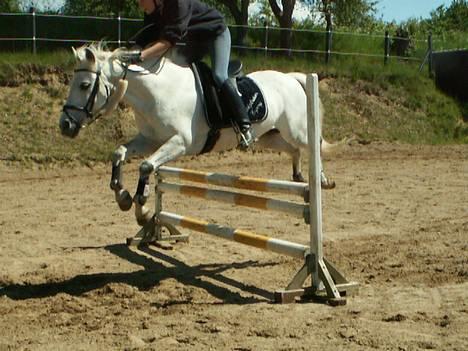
column 88, row 107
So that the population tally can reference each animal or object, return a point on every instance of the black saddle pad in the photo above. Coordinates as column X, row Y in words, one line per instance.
column 217, row 114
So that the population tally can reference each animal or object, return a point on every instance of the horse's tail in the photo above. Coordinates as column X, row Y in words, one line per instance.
column 301, row 78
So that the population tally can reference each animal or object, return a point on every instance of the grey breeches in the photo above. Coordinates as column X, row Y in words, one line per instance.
column 220, row 50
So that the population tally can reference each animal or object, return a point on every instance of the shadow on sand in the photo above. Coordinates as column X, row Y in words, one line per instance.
column 151, row 275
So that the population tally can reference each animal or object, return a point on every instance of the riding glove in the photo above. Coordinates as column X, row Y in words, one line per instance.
column 131, row 56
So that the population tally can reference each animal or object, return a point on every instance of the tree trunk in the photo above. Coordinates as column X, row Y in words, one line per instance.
column 327, row 13
column 241, row 17
column 284, row 17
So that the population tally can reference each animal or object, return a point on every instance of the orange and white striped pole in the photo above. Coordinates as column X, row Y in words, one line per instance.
column 246, row 200
column 241, row 236
column 238, row 182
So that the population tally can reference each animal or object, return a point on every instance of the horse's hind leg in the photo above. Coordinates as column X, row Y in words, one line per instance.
column 274, row 140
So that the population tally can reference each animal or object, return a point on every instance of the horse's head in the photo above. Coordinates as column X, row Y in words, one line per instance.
column 92, row 93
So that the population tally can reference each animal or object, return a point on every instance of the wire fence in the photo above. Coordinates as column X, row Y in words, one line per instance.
column 34, row 32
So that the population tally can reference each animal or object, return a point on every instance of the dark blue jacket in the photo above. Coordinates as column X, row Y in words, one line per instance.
column 182, row 21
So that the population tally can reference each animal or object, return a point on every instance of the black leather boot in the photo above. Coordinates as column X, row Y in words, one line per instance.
column 238, row 114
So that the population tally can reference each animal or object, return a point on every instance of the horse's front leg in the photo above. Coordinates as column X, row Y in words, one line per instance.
column 169, row 151
column 122, row 196
column 135, row 147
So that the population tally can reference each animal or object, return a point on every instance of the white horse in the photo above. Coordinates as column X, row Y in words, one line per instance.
column 170, row 116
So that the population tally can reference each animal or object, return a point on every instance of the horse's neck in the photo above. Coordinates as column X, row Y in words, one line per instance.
column 160, row 86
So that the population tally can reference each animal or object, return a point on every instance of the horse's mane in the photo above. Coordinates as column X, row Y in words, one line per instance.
column 103, row 53
column 98, row 48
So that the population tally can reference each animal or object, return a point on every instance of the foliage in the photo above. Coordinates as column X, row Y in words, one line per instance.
column 353, row 14
column 451, row 18
column 263, row 15
column 236, row 10
column 401, row 44
column 9, row 6
column 283, row 15
column 126, row 8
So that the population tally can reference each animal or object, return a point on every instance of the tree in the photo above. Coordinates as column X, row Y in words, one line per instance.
column 239, row 10
column 126, row 8
column 349, row 13
column 234, row 10
column 452, row 18
column 283, row 15
column 9, row 6
column 355, row 14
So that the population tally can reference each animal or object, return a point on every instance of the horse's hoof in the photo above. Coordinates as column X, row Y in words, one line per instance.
column 298, row 178
column 125, row 201
column 328, row 184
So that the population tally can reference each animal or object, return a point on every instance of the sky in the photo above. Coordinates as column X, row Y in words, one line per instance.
column 389, row 10
column 401, row 10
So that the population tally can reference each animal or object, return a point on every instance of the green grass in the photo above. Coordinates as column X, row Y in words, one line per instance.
column 62, row 58
column 374, row 101
column 362, row 98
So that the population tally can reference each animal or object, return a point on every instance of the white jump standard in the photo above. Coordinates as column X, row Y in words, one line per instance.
column 327, row 282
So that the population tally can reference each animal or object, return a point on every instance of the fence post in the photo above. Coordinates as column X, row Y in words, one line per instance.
column 265, row 47
column 119, row 35
column 32, row 10
column 429, row 52
column 328, row 44
column 386, row 47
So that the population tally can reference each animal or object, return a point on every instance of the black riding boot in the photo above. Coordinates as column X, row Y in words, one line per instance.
column 238, row 114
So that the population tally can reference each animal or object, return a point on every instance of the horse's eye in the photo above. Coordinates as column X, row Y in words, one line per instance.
column 85, row 85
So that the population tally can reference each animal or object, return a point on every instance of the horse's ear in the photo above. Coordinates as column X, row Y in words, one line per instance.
column 90, row 55
column 75, row 53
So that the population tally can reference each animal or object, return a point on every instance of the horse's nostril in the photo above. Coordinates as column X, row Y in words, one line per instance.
column 68, row 128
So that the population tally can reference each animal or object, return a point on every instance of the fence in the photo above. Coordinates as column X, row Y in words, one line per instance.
column 32, row 31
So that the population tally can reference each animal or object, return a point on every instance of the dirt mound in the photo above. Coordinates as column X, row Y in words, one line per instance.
column 17, row 75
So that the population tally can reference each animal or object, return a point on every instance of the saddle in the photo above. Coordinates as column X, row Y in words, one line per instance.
column 217, row 114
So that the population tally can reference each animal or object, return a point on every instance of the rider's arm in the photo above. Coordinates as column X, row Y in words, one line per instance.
column 156, row 49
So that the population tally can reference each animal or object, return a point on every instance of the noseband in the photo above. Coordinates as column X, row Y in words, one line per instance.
column 88, row 108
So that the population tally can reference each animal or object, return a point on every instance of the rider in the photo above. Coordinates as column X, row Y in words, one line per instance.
column 192, row 22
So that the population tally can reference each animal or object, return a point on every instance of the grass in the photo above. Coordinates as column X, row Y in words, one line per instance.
column 362, row 98
column 394, row 102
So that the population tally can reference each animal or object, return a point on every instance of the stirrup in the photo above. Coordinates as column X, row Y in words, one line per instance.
column 246, row 139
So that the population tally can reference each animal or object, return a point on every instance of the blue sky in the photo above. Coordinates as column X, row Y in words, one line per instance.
column 400, row 10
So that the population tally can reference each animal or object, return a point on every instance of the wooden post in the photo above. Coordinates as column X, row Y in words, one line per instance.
column 314, row 180
column 429, row 52
column 32, row 10
column 328, row 44
column 119, row 35
column 386, row 47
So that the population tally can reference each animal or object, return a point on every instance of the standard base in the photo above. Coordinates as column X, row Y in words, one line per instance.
column 152, row 234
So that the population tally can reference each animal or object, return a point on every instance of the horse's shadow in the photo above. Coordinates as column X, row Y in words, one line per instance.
column 151, row 275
